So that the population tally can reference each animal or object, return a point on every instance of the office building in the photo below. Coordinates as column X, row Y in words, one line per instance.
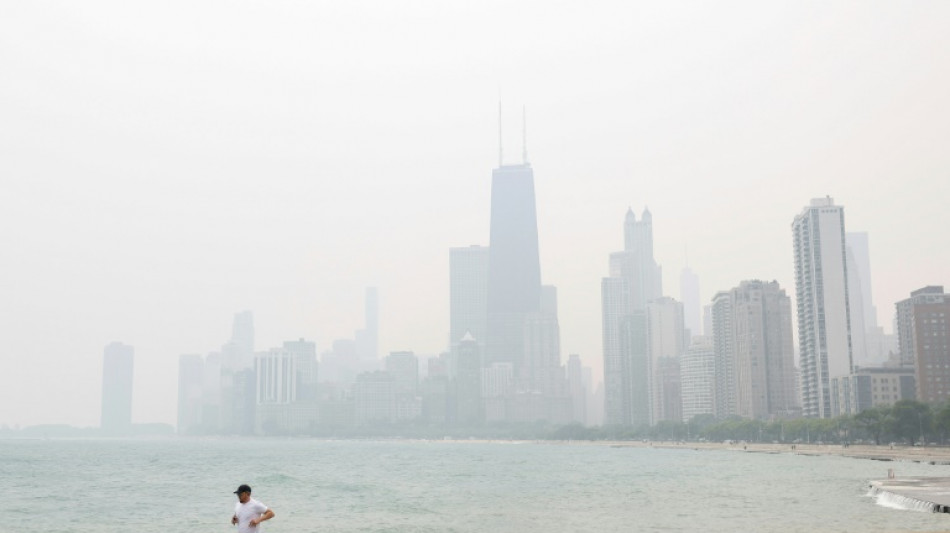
column 667, row 342
column 726, row 390
column 468, row 296
column 190, row 393
column 764, row 351
column 514, row 270
column 698, row 378
column 117, row 362
column 689, row 295
column 821, row 294
column 924, row 330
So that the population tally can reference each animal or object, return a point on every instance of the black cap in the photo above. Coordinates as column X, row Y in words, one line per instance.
column 243, row 488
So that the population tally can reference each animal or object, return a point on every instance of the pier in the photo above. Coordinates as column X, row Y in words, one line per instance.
column 923, row 493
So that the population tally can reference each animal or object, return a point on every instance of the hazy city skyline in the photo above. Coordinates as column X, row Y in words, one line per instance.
column 165, row 167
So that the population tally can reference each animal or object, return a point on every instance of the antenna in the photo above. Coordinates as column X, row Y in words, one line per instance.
column 500, row 159
column 524, row 134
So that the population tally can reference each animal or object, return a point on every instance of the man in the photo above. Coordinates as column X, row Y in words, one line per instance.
column 248, row 512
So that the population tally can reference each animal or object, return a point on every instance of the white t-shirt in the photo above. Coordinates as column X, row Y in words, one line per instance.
column 245, row 512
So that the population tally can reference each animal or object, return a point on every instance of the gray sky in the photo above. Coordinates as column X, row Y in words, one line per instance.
column 164, row 166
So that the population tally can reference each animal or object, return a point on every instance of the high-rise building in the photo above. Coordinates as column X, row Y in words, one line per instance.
column 575, row 380
column 276, row 371
column 634, row 282
column 190, row 375
column 514, row 269
column 698, row 378
column 404, row 368
column 689, row 295
column 924, row 329
column 367, row 339
column 763, row 350
column 305, row 362
column 468, row 295
column 636, row 369
column 638, row 240
column 238, row 354
column 468, row 380
column 667, row 342
column 613, row 294
column 541, row 371
column 374, row 397
column 726, row 390
column 821, row 294
column 876, row 349
column 117, row 388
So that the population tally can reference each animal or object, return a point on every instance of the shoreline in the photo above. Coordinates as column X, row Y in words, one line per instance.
column 934, row 455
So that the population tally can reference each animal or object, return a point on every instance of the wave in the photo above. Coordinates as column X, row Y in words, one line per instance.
column 903, row 503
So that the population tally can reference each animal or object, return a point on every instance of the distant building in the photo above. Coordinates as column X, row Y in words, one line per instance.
column 287, row 394
column 366, row 340
column 374, row 397
column 879, row 386
column 117, row 362
column 514, row 270
column 923, row 327
column 468, row 382
column 635, row 280
column 754, row 351
column 824, row 322
column 404, row 369
column 698, row 378
column 306, row 370
column 667, row 341
column 190, row 392
column 541, row 370
column 726, row 390
column 575, row 380
column 468, row 296
column 689, row 295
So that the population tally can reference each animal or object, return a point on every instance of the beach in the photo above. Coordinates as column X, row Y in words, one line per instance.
column 936, row 455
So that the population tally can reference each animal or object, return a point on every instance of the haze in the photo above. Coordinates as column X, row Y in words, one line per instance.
column 165, row 166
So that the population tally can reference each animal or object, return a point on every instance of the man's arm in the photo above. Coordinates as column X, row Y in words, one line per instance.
column 268, row 514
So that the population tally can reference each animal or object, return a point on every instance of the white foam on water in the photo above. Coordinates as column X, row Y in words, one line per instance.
column 896, row 501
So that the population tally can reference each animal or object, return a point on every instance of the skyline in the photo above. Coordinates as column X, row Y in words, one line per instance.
column 157, row 182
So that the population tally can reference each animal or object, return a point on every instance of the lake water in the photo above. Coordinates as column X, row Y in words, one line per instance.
column 147, row 486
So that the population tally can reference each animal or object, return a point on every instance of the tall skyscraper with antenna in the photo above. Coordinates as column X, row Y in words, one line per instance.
column 514, row 268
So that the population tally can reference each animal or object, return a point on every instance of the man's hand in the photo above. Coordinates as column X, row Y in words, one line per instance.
column 234, row 520
column 256, row 521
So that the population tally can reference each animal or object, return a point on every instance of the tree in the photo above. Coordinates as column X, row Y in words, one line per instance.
column 941, row 421
column 909, row 419
column 872, row 421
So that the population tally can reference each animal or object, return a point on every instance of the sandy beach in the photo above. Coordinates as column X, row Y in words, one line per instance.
column 937, row 455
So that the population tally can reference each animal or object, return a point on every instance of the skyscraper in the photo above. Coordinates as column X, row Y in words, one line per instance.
column 689, row 295
column 367, row 339
column 821, row 294
column 190, row 375
column 667, row 343
column 726, row 390
column 468, row 382
column 698, row 378
column 763, row 350
column 117, row 388
column 646, row 282
column 514, row 268
column 468, row 297
column 634, row 281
